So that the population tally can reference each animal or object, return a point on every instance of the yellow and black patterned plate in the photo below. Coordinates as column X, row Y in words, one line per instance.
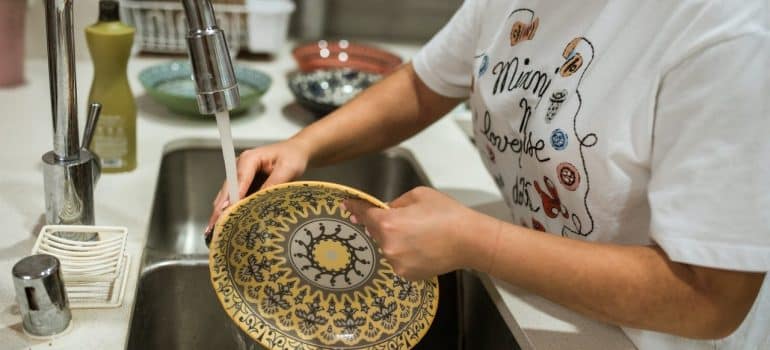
column 293, row 272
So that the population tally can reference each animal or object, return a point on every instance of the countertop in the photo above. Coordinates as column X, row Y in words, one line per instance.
column 125, row 200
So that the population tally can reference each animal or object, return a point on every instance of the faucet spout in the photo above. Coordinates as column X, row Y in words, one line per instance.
column 212, row 67
column 61, row 66
column 70, row 171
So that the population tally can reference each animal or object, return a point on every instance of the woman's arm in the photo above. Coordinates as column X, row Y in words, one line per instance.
column 634, row 286
column 426, row 233
column 385, row 114
column 381, row 116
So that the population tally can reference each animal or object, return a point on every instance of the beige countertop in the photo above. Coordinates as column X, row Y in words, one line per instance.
column 125, row 200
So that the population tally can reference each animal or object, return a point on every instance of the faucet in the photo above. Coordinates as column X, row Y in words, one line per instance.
column 212, row 68
column 71, row 170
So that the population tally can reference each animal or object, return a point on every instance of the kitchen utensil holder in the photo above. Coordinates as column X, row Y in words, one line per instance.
column 161, row 26
column 259, row 25
column 94, row 272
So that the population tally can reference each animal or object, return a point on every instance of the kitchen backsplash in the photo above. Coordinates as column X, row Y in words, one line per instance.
column 391, row 20
column 85, row 13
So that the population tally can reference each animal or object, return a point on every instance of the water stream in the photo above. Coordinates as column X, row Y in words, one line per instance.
column 228, row 153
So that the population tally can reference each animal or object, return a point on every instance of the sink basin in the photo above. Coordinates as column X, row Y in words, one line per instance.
column 176, row 307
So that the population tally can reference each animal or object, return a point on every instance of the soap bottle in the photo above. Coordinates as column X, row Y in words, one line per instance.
column 109, row 42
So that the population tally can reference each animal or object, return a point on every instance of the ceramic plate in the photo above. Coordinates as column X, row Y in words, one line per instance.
column 170, row 84
column 293, row 272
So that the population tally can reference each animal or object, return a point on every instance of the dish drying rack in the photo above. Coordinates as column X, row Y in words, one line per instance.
column 94, row 272
column 161, row 26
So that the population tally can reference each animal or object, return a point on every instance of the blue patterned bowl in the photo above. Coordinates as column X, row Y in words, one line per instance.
column 323, row 91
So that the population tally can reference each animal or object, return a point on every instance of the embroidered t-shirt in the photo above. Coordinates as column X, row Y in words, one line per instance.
column 633, row 122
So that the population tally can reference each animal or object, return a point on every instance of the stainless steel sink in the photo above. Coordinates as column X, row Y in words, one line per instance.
column 175, row 304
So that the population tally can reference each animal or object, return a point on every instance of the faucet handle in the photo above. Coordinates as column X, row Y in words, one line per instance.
column 94, row 110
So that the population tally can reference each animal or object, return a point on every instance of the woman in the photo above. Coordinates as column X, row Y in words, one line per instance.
column 634, row 132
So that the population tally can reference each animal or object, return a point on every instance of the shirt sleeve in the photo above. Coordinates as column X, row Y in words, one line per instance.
column 709, row 189
column 445, row 63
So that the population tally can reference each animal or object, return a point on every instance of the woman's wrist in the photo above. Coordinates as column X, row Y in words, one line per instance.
column 479, row 242
column 307, row 147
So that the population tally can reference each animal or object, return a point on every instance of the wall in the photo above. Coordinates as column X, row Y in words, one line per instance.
column 391, row 20
column 394, row 20
column 85, row 12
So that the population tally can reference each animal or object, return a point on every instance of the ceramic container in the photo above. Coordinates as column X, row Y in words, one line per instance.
column 293, row 272
column 325, row 54
column 323, row 91
column 268, row 23
column 170, row 85
column 12, row 13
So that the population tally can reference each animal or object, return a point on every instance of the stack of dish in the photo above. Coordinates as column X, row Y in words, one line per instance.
column 331, row 73
column 293, row 272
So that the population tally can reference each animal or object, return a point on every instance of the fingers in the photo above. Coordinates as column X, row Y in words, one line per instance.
column 366, row 214
column 215, row 214
column 248, row 166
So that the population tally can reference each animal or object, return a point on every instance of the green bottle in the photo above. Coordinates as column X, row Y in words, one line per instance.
column 109, row 41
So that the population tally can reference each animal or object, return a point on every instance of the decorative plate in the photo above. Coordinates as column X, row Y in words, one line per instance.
column 293, row 272
column 170, row 84
column 323, row 91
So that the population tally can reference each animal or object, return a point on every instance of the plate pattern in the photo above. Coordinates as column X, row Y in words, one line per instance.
column 294, row 273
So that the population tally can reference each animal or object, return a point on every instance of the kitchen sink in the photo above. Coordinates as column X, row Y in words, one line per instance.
column 176, row 307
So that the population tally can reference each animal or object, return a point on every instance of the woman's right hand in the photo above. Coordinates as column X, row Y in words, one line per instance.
column 280, row 162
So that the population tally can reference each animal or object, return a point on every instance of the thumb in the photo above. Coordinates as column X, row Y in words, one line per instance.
column 363, row 212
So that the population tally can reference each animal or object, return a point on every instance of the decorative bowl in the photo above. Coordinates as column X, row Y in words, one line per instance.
column 293, row 272
column 344, row 54
column 170, row 84
column 323, row 91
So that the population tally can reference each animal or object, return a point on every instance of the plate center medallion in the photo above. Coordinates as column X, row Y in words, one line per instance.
column 332, row 254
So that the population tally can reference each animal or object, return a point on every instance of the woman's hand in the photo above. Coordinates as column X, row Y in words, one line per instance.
column 426, row 233
column 280, row 162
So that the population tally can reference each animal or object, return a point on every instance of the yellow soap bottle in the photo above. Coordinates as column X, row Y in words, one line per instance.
column 109, row 42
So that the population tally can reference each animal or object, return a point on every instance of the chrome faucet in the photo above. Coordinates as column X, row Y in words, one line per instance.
column 71, row 170
column 211, row 65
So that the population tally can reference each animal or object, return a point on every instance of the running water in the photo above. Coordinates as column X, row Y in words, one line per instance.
column 228, row 153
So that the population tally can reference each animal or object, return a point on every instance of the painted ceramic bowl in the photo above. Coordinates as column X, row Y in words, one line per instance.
column 293, row 272
column 323, row 91
column 171, row 85
column 325, row 54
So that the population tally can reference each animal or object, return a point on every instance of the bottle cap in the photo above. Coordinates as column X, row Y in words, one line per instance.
column 109, row 11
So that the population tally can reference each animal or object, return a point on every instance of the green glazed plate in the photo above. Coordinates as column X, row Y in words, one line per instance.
column 171, row 85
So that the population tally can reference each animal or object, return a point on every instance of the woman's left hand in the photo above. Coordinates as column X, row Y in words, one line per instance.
column 426, row 233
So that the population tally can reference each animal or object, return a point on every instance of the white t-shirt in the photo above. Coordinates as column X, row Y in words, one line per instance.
column 633, row 122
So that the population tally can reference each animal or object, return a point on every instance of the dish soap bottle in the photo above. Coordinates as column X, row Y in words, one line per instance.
column 109, row 42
